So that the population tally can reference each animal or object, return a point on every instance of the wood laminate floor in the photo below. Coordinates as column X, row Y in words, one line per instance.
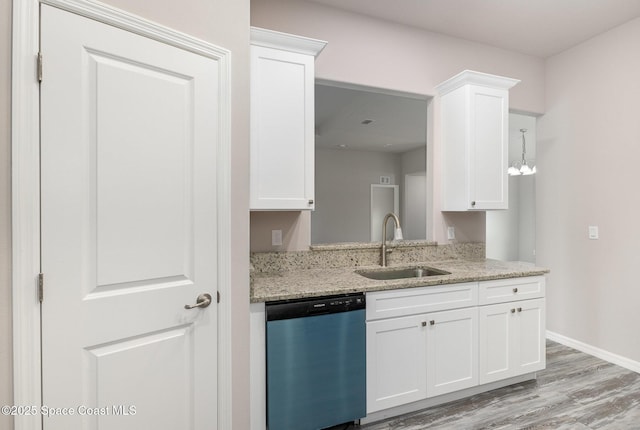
column 576, row 392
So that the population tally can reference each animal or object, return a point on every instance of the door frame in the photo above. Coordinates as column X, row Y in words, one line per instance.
column 25, row 146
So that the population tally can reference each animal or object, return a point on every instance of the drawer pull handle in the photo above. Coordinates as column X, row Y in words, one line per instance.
column 515, row 290
column 310, row 201
column 513, row 311
column 432, row 322
column 424, row 323
column 519, row 309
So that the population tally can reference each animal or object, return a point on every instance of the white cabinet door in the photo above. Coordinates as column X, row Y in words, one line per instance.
column 282, row 121
column 512, row 339
column 495, row 337
column 396, row 362
column 488, row 148
column 530, row 336
column 474, row 120
column 452, row 350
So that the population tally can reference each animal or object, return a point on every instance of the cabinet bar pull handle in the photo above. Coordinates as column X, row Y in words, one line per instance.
column 432, row 322
column 513, row 311
column 310, row 201
column 519, row 309
column 424, row 323
column 515, row 290
column 473, row 203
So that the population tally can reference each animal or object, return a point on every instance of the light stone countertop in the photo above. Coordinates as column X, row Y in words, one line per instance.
column 295, row 284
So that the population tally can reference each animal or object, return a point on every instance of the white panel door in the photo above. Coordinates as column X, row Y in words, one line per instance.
column 129, row 137
column 396, row 362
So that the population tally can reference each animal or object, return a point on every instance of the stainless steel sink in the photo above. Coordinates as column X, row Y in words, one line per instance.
column 388, row 273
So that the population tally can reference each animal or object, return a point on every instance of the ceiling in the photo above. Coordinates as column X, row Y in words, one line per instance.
column 399, row 121
column 535, row 27
column 541, row 28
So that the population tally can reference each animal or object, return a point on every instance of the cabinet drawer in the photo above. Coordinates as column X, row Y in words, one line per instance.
column 509, row 290
column 411, row 301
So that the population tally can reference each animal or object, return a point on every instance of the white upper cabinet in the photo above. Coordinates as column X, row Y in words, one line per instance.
column 282, row 120
column 475, row 141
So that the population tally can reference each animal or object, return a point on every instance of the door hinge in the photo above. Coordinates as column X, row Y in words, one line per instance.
column 39, row 66
column 218, row 296
column 40, row 287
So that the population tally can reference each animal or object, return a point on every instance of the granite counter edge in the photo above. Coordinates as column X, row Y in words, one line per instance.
column 396, row 284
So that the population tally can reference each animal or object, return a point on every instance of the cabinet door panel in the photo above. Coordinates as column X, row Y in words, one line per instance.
column 530, row 336
column 488, row 179
column 282, row 115
column 396, row 368
column 495, row 327
column 452, row 348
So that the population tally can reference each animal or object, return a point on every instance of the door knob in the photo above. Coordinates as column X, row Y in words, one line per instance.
column 202, row 301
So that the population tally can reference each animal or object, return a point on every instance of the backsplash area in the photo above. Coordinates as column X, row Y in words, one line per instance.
column 363, row 254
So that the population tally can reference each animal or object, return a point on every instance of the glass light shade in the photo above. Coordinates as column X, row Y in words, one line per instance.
column 526, row 170
column 513, row 171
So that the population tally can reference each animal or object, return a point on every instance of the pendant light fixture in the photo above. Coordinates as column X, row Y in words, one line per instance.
column 521, row 167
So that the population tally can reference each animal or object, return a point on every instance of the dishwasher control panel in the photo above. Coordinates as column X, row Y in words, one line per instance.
column 300, row 308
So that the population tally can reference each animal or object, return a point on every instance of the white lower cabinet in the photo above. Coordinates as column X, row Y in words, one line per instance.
column 396, row 362
column 412, row 358
column 420, row 356
column 512, row 339
column 416, row 356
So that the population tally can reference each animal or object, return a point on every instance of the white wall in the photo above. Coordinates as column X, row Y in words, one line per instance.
column 511, row 233
column 377, row 53
column 225, row 23
column 503, row 227
column 413, row 208
column 343, row 192
column 587, row 152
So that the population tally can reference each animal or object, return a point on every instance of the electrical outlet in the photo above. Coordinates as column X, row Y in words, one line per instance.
column 276, row 237
column 593, row 232
column 451, row 233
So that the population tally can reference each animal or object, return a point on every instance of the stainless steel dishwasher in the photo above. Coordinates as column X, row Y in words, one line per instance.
column 316, row 362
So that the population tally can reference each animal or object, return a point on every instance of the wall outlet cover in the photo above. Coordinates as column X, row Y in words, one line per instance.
column 451, row 233
column 593, row 232
column 276, row 237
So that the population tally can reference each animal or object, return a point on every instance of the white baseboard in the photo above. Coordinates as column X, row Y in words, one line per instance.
column 625, row 362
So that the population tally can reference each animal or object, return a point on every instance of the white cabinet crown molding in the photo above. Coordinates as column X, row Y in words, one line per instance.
column 475, row 78
column 290, row 42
